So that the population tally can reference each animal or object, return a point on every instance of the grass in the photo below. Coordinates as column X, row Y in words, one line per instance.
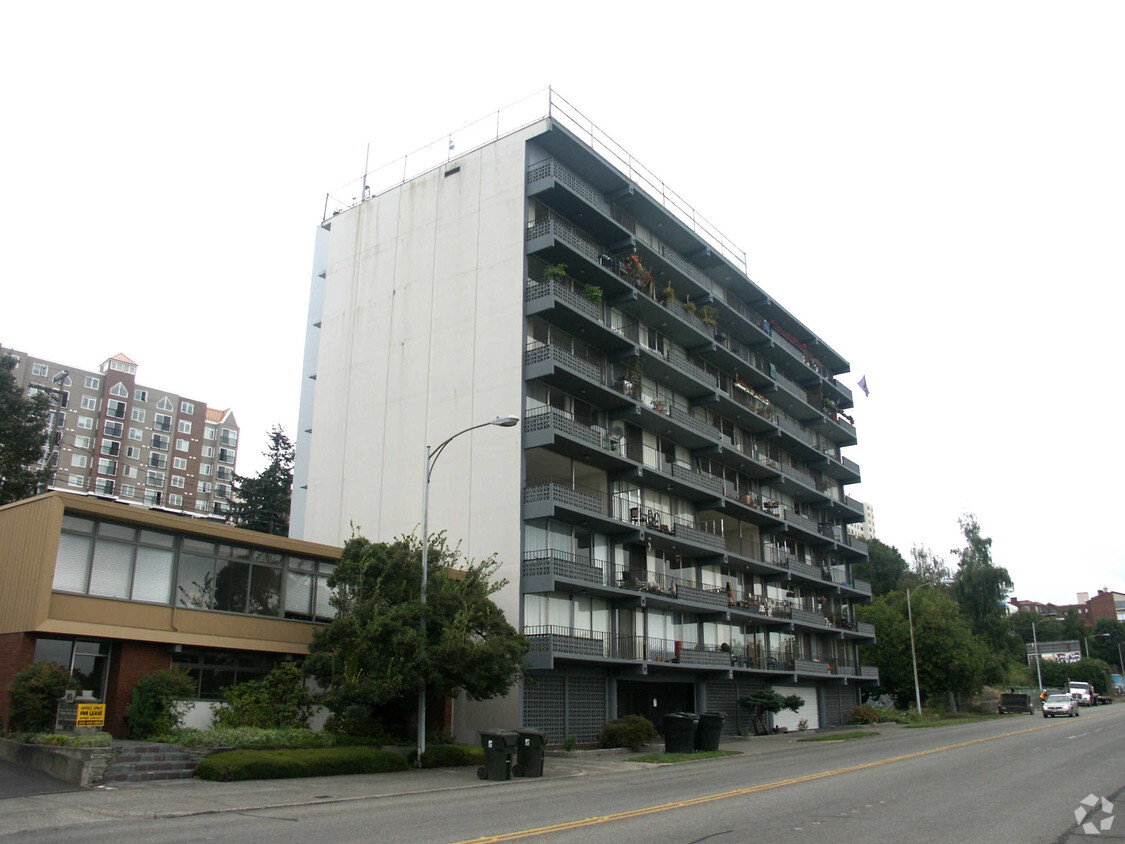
column 663, row 758
column 840, row 736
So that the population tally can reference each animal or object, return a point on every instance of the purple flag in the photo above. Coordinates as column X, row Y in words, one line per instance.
column 863, row 386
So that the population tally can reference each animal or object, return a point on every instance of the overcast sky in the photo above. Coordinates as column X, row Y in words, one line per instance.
column 937, row 189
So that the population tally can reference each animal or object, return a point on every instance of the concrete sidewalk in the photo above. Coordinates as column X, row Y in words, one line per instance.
column 177, row 798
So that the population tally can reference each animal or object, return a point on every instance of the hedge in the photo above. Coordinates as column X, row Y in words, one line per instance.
column 448, row 756
column 305, row 762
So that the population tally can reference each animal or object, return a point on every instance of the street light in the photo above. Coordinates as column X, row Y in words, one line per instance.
column 431, row 460
column 55, row 393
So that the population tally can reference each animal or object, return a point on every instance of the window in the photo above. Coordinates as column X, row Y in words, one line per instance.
column 208, row 451
column 178, row 481
column 92, row 383
column 85, row 422
column 154, row 478
column 123, row 367
column 179, row 463
column 205, row 468
column 157, row 460
column 78, row 460
column 140, row 395
column 229, row 437
column 138, row 414
column 129, row 471
column 114, row 429
column 115, row 409
column 111, row 448
column 128, row 490
column 165, row 404
column 182, row 445
column 89, row 403
column 226, row 455
column 160, row 442
column 215, row 671
column 201, row 505
column 103, row 486
column 77, row 481
column 86, row 660
column 224, row 473
column 40, row 370
column 135, row 434
column 162, row 422
column 131, row 451
column 209, row 433
column 175, row 501
column 153, row 497
column 119, row 390
column 188, row 408
column 83, row 442
column 222, row 491
column 184, row 426
column 106, row 466
column 204, row 487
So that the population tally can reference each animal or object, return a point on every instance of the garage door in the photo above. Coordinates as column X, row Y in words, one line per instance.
column 808, row 712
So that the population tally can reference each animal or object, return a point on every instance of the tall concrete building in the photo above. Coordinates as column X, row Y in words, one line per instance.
column 672, row 513
column 117, row 439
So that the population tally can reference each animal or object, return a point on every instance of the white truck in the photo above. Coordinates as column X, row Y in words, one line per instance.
column 1083, row 693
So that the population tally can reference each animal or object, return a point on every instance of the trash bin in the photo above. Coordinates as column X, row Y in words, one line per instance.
column 529, row 752
column 679, row 732
column 709, row 731
column 499, row 747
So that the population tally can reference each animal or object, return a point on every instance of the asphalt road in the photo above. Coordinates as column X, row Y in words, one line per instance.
column 1015, row 779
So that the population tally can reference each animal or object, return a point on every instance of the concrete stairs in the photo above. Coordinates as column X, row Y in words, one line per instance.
column 148, row 761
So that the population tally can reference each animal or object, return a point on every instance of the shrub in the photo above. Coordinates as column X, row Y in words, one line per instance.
column 632, row 731
column 238, row 765
column 67, row 740
column 865, row 714
column 569, row 743
column 35, row 692
column 359, row 723
column 158, row 705
column 448, row 756
column 250, row 737
column 278, row 700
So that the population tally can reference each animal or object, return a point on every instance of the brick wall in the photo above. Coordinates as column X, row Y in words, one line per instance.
column 17, row 651
column 130, row 662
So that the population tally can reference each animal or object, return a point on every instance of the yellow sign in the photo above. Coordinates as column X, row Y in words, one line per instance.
column 91, row 715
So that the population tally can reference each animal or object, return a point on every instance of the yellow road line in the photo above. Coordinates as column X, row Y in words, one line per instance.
column 739, row 792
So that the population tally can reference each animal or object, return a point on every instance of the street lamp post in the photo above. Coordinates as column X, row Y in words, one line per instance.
column 432, row 456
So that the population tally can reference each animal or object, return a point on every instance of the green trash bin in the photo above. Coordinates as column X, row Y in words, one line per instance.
column 529, row 752
column 679, row 732
column 499, row 748
column 709, row 731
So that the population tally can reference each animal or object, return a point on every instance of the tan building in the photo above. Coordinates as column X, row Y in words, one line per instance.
column 114, row 593
column 117, row 439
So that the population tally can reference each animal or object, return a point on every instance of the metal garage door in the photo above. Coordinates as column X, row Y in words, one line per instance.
column 808, row 712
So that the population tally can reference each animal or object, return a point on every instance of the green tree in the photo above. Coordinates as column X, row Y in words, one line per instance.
column 261, row 502
column 980, row 586
column 950, row 658
column 159, row 702
column 926, row 567
column 23, row 434
column 372, row 654
column 760, row 702
column 1093, row 671
column 35, row 692
column 277, row 701
column 884, row 567
column 1105, row 638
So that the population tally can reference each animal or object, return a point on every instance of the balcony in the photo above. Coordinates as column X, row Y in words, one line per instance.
column 801, row 485
column 574, row 373
column 547, row 642
column 559, row 187
column 677, row 535
column 550, row 497
column 852, row 545
column 869, row 672
column 558, row 240
column 557, row 429
column 678, row 478
column 667, row 590
column 549, row 571
column 675, row 369
column 563, row 302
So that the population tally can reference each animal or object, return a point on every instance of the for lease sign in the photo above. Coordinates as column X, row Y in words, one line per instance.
column 91, row 715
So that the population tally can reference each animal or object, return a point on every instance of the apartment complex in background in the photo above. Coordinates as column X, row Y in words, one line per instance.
column 866, row 529
column 118, row 439
column 672, row 514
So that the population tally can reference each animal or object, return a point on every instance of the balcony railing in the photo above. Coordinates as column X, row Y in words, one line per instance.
column 565, row 640
column 552, row 169
column 537, row 352
column 869, row 672
column 552, row 224
column 796, row 431
column 551, row 418
column 563, row 564
column 655, row 459
column 865, row 628
column 565, row 290
column 567, row 493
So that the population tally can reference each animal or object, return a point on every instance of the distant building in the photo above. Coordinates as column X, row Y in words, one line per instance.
column 1045, row 609
column 864, row 530
column 117, row 439
column 1105, row 604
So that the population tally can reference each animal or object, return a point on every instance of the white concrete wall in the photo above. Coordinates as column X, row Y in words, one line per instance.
column 421, row 336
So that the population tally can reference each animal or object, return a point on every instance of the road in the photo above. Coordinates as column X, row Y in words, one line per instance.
column 1016, row 779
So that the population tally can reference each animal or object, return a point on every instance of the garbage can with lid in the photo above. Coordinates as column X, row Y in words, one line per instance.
column 529, row 752
column 709, row 731
column 679, row 732
column 499, row 748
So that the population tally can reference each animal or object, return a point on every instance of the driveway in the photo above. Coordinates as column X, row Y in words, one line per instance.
column 18, row 781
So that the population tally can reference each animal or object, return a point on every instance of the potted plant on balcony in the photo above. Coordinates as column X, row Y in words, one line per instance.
column 689, row 305
column 709, row 315
column 633, row 381
column 593, row 293
column 669, row 295
column 554, row 272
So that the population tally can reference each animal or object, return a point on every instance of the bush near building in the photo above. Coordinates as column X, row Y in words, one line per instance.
column 632, row 731
column 158, row 703
column 35, row 692
column 236, row 765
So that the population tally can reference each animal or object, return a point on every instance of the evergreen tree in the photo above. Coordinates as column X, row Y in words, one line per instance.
column 261, row 503
column 883, row 568
column 980, row 586
column 23, row 434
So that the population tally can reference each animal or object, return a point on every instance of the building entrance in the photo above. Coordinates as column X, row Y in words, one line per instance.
column 654, row 699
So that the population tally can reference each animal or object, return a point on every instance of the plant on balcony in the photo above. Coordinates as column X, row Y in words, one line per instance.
column 660, row 405
column 669, row 295
column 593, row 293
column 638, row 274
column 709, row 315
column 554, row 272
column 636, row 374
column 689, row 305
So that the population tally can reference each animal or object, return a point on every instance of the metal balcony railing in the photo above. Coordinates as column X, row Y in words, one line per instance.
column 553, row 639
column 553, row 419
column 565, row 290
column 563, row 564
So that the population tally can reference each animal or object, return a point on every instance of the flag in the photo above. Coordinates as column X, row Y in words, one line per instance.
column 863, row 386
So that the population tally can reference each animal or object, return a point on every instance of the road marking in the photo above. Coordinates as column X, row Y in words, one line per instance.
column 566, row 826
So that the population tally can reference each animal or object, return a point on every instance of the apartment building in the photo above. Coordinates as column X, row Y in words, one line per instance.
column 672, row 515
column 117, row 439
column 866, row 529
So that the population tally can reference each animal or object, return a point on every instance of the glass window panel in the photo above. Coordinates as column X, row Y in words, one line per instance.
column 90, row 671
column 196, row 583
column 298, row 593
column 265, row 590
column 73, row 563
column 152, row 579
column 232, row 580
column 237, row 552
column 91, row 648
column 78, row 525
column 53, row 650
column 297, row 564
column 117, row 531
column 164, row 540
column 267, row 558
column 196, row 546
column 111, row 569
column 323, row 608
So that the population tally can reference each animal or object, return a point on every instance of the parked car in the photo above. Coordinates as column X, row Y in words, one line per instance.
column 1060, row 705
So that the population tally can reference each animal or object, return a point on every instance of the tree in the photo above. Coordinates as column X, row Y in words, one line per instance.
column 760, row 702
column 23, row 434
column 928, row 567
column 980, row 586
column 950, row 658
column 277, row 701
column 884, row 567
column 34, row 693
column 261, row 503
column 372, row 655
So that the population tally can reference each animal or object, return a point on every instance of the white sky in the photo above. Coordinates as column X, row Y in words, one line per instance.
column 937, row 189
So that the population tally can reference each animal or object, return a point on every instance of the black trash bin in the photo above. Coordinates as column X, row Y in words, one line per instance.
column 679, row 732
column 499, row 748
column 709, row 731
column 529, row 752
